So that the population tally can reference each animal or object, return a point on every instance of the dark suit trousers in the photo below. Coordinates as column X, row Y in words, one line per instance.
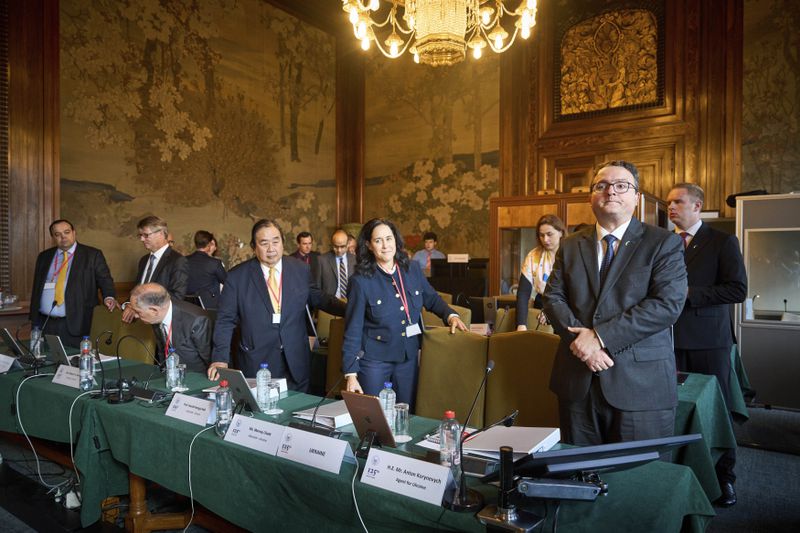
column 716, row 362
column 372, row 374
column 58, row 326
column 594, row 421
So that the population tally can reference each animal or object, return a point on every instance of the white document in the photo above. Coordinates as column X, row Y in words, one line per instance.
column 6, row 362
column 68, row 376
column 524, row 440
column 317, row 451
column 189, row 409
column 404, row 475
column 256, row 434
column 332, row 415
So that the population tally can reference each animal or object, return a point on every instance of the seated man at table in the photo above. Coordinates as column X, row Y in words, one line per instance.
column 704, row 331
column 176, row 324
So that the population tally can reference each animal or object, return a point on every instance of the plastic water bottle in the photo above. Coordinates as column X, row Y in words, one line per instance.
column 262, row 389
column 224, row 408
column 86, row 365
column 171, row 364
column 36, row 342
column 449, row 435
column 387, row 398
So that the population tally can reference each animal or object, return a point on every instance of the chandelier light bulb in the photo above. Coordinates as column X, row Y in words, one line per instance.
column 394, row 50
column 476, row 52
column 416, row 58
column 361, row 30
column 486, row 16
column 526, row 19
column 498, row 42
column 374, row 5
column 365, row 44
column 532, row 4
column 353, row 16
column 525, row 32
column 411, row 22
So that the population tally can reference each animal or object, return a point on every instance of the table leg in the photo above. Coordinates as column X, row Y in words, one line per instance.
column 140, row 520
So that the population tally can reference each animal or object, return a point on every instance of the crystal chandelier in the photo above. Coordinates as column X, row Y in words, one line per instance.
column 438, row 32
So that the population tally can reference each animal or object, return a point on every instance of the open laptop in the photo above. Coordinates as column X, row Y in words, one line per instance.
column 57, row 354
column 23, row 356
column 367, row 415
column 240, row 388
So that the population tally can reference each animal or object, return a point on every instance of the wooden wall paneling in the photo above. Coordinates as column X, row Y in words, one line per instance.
column 350, row 93
column 34, row 133
column 515, row 113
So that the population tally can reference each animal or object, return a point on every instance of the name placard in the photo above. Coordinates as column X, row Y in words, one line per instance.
column 5, row 363
column 317, row 451
column 458, row 258
column 189, row 409
column 480, row 329
column 258, row 435
column 69, row 376
column 403, row 475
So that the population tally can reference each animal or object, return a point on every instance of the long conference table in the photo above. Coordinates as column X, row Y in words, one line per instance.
column 116, row 447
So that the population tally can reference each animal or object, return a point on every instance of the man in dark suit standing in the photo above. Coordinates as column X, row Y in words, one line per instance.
column 704, row 331
column 333, row 270
column 304, row 252
column 65, row 283
column 206, row 273
column 176, row 324
column 162, row 265
column 615, row 290
column 267, row 297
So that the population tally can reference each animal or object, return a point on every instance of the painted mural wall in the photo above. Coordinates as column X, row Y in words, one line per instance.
column 432, row 149
column 209, row 114
column 771, row 110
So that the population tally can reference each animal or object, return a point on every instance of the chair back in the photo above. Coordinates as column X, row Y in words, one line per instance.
column 130, row 349
column 324, row 324
column 464, row 312
column 102, row 321
column 333, row 361
column 507, row 321
column 446, row 296
column 450, row 372
column 521, row 378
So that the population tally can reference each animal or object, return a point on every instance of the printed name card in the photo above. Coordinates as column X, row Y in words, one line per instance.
column 5, row 363
column 480, row 329
column 403, row 475
column 458, row 258
column 258, row 435
column 189, row 409
column 69, row 376
column 317, row 451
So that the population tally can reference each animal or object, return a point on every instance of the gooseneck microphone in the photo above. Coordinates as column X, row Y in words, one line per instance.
column 502, row 319
column 468, row 499
column 100, row 362
column 122, row 395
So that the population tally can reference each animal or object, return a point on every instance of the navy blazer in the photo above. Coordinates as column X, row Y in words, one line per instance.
column 171, row 272
column 246, row 303
column 206, row 274
column 632, row 313
column 717, row 278
column 89, row 272
column 375, row 321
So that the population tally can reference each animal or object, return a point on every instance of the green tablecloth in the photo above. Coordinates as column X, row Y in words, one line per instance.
column 701, row 409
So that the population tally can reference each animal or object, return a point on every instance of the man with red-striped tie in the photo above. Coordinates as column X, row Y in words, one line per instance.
column 333, row 270
column 424, row 256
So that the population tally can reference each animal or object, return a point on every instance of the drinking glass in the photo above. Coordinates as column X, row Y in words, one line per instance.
column 402, row 423
column 273, row 395
column 180, row 378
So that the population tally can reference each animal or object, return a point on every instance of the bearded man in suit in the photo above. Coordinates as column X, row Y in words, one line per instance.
column 615, row 290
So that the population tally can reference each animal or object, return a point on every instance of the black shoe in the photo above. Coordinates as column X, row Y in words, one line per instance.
column 728, row 497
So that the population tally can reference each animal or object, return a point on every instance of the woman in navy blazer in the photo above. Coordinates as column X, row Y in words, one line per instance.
column 383, row 330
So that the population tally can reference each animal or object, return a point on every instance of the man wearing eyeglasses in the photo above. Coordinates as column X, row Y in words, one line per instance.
column 615, row 290
column 162, row 265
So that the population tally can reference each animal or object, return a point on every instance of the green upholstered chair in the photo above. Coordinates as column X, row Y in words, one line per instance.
column 447, row 297
column 102, row 321
column 451, row 369
column 521, row 378
column 509, row 322
column 464, row 312
column 333, row 362
column 429, row 319
column 324, row 324
column 130, row 349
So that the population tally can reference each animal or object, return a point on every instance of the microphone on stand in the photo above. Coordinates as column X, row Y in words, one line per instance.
column 497, row 327
column 323, row 430
column 468, row 499
column 100, row 362
column 122, row 395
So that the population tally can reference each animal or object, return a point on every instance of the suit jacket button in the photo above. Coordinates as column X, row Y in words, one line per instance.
column 402, row 308
column 378, row 302
column 402, row 321
column 378, row 337
column 403, row 334
column 397, row 295
column 416, row 292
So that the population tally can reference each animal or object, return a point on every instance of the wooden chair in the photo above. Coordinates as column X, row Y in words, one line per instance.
column 429, row 319
column 450, row 371
column 508, row 321
column 521, row 378
column 324, row 324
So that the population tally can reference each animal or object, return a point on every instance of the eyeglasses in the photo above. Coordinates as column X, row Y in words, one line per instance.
column 144, row 235
column 619, row 187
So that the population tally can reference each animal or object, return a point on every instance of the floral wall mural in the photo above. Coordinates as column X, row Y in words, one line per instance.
column 209, row 114
column 432, row 149
column 771, row 110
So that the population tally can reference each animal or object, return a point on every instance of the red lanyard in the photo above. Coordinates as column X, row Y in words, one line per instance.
column 57, row 271
column 280, row 291
column 402, row 292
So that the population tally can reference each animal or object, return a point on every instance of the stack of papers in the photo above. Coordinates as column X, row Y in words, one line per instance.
column 333, row 415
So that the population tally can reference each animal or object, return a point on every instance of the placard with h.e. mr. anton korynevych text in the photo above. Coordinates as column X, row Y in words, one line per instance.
column 407, row 476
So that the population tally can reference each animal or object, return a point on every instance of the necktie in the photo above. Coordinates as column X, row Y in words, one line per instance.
column 608, row 257
column 342, row 279
column 428, row 261
column 273, row 290
column 166, row 336
column 685, row 237
column 149, row 271
column 61, row 281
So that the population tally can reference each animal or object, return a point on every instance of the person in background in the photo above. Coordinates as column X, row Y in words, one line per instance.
column 176, row 324
column 704, row 331
column 351, row 244
column 536, row 268
column 206, row 273
column 162, row 265
column 65, row 283
column 428, row 252
column 613, row 295
column 384, row 307
column 304, row 252
column 332, row 270
column 266, row 297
